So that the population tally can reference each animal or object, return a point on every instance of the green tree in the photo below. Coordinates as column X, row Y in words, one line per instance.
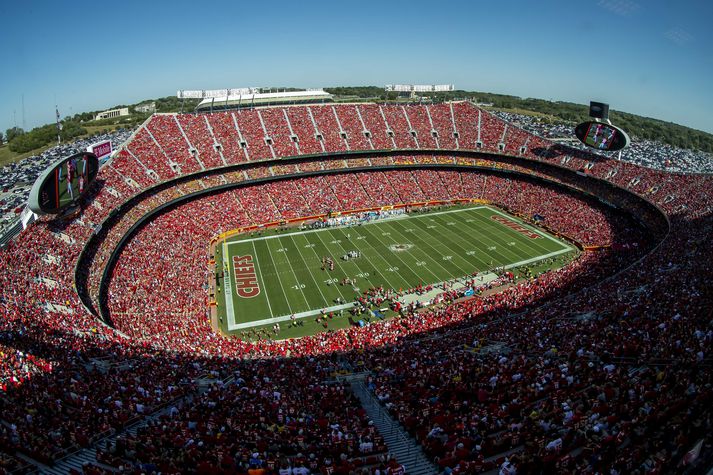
column 13, row 132
column 41, row 136
column 1, row 138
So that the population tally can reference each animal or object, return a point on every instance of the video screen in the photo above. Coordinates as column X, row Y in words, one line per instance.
column 600, row 136
column 64, row 183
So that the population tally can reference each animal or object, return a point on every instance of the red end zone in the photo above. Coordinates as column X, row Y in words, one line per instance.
column 515, row 226
column 245, row 278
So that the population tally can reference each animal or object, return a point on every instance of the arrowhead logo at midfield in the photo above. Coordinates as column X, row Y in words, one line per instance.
column 245, row 278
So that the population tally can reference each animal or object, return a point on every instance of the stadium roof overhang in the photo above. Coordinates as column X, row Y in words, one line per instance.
column 275, row 98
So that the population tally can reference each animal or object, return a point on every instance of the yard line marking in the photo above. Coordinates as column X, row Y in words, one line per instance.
column 356, row 264
column 229, row 295
column 282, row 318
column 494, row 238
column 487, row 230
column 433, row 246
column 486, row 223
column 297, row 280
column 529, row 226
column 404, row 262
column 494, row 234
column 376, row 254
column 535, row 259
column 428, row 255
column 371, row 264
column 339, row 287
column 530, row 243
column 326, row 301
column 282, row 286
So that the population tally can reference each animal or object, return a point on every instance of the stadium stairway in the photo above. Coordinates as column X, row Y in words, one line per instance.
column 10, row 234
column 77, row 460
column 401, row 446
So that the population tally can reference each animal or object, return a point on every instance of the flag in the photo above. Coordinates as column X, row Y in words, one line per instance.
column 59, row 124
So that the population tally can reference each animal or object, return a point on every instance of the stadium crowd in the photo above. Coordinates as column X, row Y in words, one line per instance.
column 601, row 366
column 257, row 420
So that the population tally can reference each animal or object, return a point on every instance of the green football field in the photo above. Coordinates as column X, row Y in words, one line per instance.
column 268, row 278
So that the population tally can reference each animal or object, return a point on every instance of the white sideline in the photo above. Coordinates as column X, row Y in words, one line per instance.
column 228, row 283
column 283, row 318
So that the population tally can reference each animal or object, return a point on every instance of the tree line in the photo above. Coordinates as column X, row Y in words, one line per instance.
column 20, row 141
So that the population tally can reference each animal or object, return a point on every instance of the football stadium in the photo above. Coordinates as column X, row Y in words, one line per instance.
column 328, row 281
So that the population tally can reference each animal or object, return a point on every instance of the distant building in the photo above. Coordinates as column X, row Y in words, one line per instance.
column 256, row 99
column 146, row 107
column 112, row 113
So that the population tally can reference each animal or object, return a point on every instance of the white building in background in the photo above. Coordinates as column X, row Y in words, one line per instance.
column 110, row 114
column 146, row 107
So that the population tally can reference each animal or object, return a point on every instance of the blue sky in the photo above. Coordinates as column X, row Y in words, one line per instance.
column 647, row 57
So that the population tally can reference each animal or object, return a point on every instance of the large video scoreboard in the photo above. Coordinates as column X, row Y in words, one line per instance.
column 63, row 183
column 600, row 133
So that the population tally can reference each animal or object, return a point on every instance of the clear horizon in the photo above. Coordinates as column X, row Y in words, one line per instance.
column 650, row 59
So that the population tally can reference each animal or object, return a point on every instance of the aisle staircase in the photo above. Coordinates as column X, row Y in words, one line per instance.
column 401, row 446
column 76, row 460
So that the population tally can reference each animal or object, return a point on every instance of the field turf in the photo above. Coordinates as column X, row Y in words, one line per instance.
column 267, row 278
